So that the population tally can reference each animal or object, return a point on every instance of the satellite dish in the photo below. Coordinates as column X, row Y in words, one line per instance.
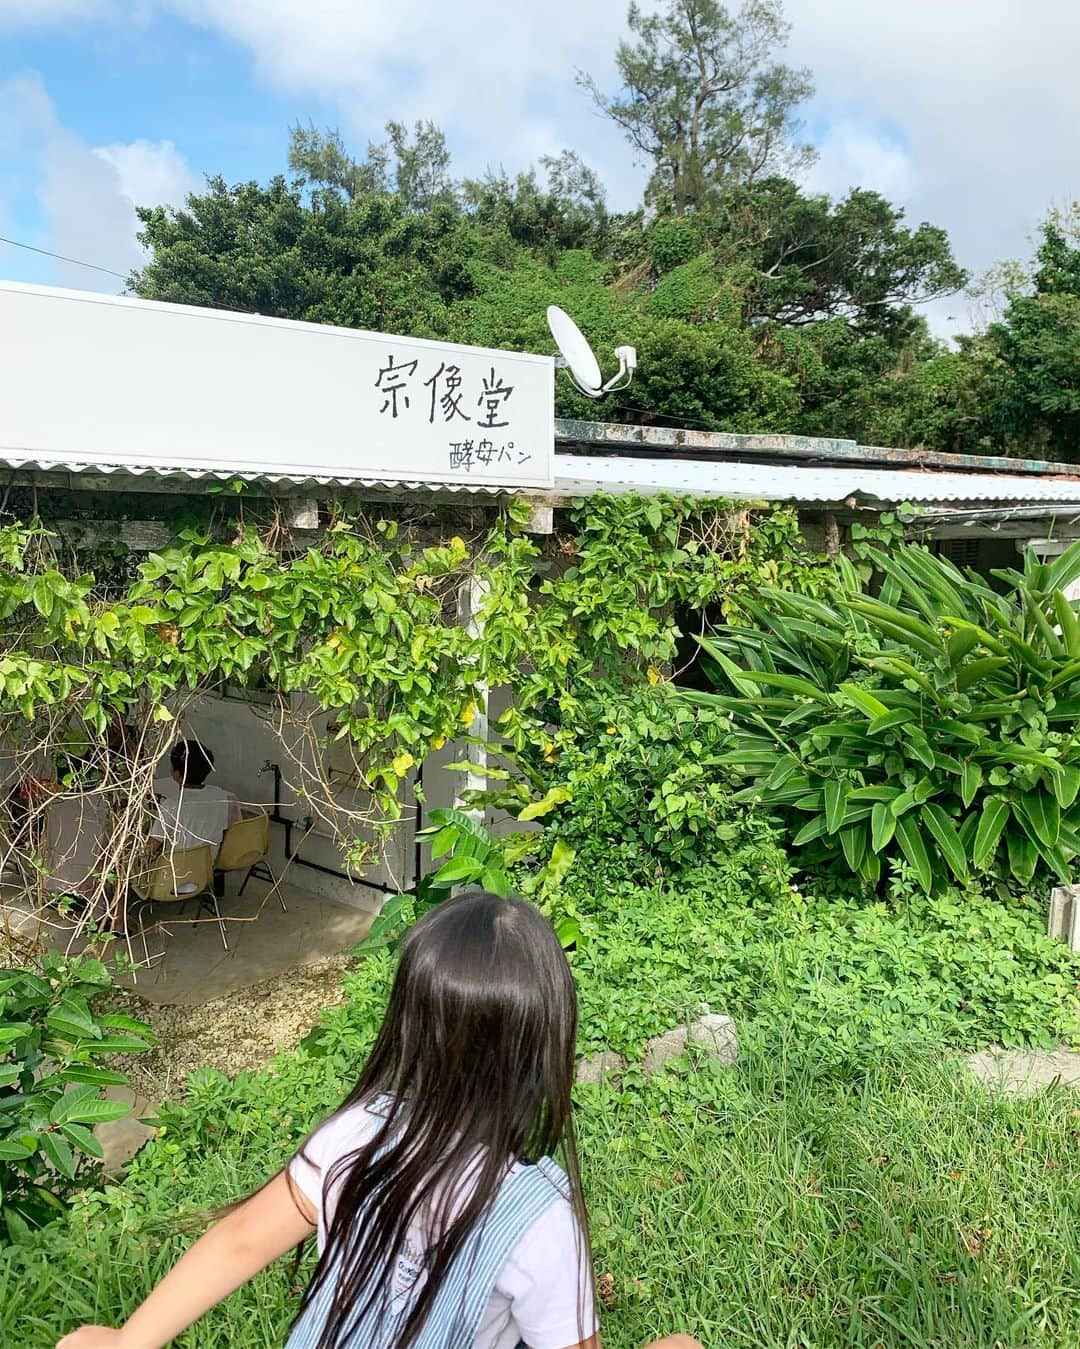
column 575, row 351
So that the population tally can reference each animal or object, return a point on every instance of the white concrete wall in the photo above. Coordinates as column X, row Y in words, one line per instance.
column 242, row 741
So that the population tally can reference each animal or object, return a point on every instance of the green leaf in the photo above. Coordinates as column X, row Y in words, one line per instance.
column 58, row 1152
column 81, row 1137
column 1041, row 811
column 913, row 847
column 813, row 829
column 890, row 720
column 98, row 1077
column 995, row 815
column 865, row 702
column 16, row 1150
column 547, row 803
column 970, row 781
column 96, row 1111
column 72, row 1019
column 853, row 842
column 495, row 881
column 1023, row 855
column 941, row 827
column 120, row 1044
column 1070, row 628
column 836, row 794
column 67, row 1107
column 1066, row 785
column 977, row 670
column 560, row 862
column 457, row 871
column 568, row 932
column 882, row 826
column 789, row 683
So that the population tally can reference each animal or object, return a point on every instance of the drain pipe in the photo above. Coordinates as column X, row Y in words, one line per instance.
column 292, row 855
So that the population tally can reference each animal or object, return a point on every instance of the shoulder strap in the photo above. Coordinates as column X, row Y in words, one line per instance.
column 461, row 1301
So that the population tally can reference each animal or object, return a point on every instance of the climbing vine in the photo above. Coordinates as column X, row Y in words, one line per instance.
column 358, row 636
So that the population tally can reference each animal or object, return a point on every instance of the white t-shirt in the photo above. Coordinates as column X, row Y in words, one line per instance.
column 544, row 1281
column 188, row 816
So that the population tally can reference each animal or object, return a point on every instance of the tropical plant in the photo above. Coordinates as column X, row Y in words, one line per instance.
column 52, row 1046
column 935, row 721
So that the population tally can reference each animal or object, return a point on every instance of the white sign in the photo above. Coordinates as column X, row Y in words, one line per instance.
column 93, row 379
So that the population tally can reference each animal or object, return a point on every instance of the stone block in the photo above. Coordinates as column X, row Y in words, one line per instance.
column 709, row 1031
column 121, row 1139
column 716, row 1035
column 603, row 1064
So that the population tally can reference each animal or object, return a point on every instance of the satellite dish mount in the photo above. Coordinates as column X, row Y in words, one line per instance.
column 577, row 358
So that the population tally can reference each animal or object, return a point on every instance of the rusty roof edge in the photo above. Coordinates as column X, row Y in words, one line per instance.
column 618, row 438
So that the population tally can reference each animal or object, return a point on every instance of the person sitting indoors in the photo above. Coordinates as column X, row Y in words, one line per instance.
column 75, row 844
column 189, row 811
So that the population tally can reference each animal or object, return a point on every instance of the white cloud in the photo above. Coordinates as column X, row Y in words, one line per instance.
column 852, row 156
column 87, row 195
column 983, row 94
column 964, row 111
column 151, row 173
column 39, row 13
column 497, row 76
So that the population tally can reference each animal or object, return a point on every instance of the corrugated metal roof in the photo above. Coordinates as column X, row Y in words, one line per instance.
column 62, row 464
column 584, row 474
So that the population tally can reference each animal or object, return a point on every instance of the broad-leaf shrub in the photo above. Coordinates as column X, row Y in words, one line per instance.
column 934, row 722
column 54, row 1040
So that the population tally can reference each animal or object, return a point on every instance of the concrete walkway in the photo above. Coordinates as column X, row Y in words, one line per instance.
column 264, row 943
column 1023, row 1072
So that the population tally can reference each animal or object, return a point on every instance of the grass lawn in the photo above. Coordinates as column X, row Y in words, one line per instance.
column 763, row 1205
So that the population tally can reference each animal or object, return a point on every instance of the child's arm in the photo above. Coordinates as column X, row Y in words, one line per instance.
column 228, row 1255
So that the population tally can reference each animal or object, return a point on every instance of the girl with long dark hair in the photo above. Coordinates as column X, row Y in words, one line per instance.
column 443, row 1220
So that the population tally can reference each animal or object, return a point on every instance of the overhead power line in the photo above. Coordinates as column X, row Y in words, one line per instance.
column 59, row 257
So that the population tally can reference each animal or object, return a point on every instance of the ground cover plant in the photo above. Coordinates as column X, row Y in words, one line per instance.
column 56, row 1040
column 843, row 1185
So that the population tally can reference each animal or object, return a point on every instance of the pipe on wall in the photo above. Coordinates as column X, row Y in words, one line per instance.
column 292, row 855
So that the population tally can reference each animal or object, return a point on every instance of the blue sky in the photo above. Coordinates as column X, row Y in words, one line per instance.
column 962, row 111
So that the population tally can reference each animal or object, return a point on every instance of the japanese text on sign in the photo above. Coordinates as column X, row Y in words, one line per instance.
column 449, row 400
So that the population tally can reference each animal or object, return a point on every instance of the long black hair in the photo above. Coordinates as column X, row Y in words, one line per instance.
column 472, row 1071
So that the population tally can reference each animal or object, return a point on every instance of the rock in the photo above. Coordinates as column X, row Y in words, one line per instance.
column 707, row 1031
column 716, row 1035
column 662, row 1048
column 603, row 1064
column 711, row 1032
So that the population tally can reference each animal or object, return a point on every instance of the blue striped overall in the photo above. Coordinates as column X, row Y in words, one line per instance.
column 460, row 1303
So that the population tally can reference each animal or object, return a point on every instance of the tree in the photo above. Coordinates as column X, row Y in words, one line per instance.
column 414, row 166
column 320, row 158
column 567, row 212
column 807, row 258
column 1037, row 349
column 703, row 100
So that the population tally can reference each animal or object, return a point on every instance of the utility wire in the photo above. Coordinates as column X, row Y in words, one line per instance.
column 76, row 262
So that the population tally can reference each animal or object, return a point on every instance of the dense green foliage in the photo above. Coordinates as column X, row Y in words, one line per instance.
column 784, row 1188
column 932, row 722
column 754, row 305
column 54, row 1042
column 332, row 621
